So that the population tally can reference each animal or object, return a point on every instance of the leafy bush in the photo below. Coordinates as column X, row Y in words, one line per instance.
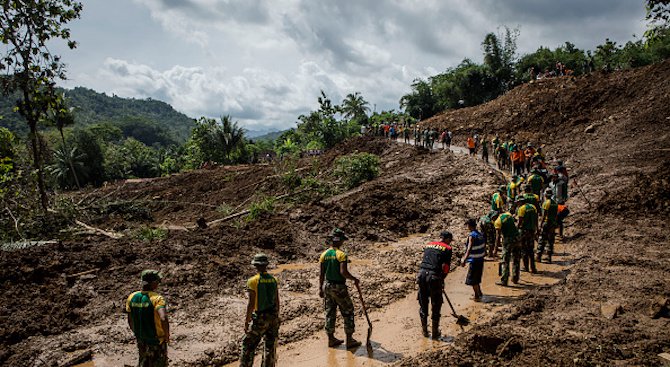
column 356, row 168
column 152, row 234
column 258, row 208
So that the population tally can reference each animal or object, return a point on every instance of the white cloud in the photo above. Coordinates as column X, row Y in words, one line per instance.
column 265, row 62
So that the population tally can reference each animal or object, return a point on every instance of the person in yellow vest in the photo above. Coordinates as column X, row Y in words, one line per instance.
column 262, row 313
column 332, row 286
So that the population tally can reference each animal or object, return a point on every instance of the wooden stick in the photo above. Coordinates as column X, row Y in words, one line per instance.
column 100, row 231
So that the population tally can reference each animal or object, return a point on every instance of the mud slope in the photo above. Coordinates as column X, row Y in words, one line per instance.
column 50, row 309
column 613, row 132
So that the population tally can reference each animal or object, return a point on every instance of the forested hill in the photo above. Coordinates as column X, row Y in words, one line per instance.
column 150, row 116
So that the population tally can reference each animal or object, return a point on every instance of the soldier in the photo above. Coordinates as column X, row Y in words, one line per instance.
column 148, row 319
column 489, row 231
column 527, row 197
column 536, row 182
column 549, row 224
column 434, row 268
column 513, row 188
column 527, row 216
column 263, row 313
column 507, row 232
column 498, row 200
column 332, row 285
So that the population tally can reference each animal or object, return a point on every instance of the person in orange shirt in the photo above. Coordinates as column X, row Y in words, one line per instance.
column 518, row 160
column 471, row 145
column 529, row 153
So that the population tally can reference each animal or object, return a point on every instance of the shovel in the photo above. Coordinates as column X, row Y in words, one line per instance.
column 460, row 319
column 365, row 310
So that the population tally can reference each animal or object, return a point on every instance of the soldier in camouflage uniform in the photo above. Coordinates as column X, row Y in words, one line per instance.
column 549, row 223
column 144, row 309
column 489, row 231
column 333, row 288
column 527, row 214
column 507, row 231
column 263, row 313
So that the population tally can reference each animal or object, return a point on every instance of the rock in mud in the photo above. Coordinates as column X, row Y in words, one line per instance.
column 611, row 310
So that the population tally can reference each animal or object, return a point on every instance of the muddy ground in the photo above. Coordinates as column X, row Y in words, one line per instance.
column 609, row 306
column 613, row 132
column 418, row 192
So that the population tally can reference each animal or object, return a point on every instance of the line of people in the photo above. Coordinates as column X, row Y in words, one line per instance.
column 529, row 208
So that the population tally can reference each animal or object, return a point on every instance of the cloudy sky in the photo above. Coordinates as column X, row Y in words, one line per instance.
column 264, row 62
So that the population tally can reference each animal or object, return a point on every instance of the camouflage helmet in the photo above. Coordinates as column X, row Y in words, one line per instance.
column 260, row 259
column 338, row 235
column 150, row 275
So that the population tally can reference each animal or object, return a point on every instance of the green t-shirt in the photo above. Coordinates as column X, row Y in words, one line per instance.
column 550, row 210
column 529, row 214
column 505, row 223
column 331, row 260
column 536, row 181
column 265, row 287
column 143, row 307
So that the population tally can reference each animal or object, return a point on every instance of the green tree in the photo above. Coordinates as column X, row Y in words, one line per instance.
column 354, row 107
column 27, row 26
column 658, row 16
column 89, row 145
column 421, row 102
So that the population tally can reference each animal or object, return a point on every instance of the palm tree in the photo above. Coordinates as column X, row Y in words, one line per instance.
column 355, row 107
column 62, row 117
column 66, row 161
column 231, row 136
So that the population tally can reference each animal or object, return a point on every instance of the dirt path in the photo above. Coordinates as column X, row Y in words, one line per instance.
column 396, row 328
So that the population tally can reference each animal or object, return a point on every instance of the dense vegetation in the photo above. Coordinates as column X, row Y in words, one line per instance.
column 148, row 120
column 470, row 83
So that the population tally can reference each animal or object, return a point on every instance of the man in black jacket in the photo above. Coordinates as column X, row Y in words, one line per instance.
column 434, row 268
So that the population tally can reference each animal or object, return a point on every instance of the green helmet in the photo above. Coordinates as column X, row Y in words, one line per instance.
column 260, row 259
column 338, row 235
column 150, row 275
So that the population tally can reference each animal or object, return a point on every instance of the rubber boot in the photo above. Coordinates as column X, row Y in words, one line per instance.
column 352, row 343
column 538, row 258
column 333, row 341
column 436, row 330
column 533, row 268
column 548, row 259
column 424, row 327
column 525, row 263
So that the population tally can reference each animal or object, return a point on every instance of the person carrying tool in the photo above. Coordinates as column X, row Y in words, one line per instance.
column 262, row 313
column 489, row 231
column 508, row 234
column 549, row 223
column 148, row 319
column 527, row 217
column 475, row 249
column 432, row 271
column 332, row 286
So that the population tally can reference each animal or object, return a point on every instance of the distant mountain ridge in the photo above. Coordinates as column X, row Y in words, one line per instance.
column 92, row 107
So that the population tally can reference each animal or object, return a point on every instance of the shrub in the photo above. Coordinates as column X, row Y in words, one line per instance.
column 356, row 168
column 258, row 208
column 152, row 234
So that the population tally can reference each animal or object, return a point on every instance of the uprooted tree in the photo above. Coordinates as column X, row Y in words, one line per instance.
column 29, row 67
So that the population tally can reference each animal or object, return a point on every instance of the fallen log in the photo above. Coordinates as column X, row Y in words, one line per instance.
column 112, row 235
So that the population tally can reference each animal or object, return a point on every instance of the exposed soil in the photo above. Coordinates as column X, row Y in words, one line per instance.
column 608, row 308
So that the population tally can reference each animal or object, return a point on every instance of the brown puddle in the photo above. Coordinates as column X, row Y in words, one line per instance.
column 396, row 329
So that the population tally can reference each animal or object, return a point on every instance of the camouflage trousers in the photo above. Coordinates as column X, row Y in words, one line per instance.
column 511, row 251
column 262, row 325
column 489, row 232
column 528, row 249
column 547, row 239
column 337, row 295
column 152, row 355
